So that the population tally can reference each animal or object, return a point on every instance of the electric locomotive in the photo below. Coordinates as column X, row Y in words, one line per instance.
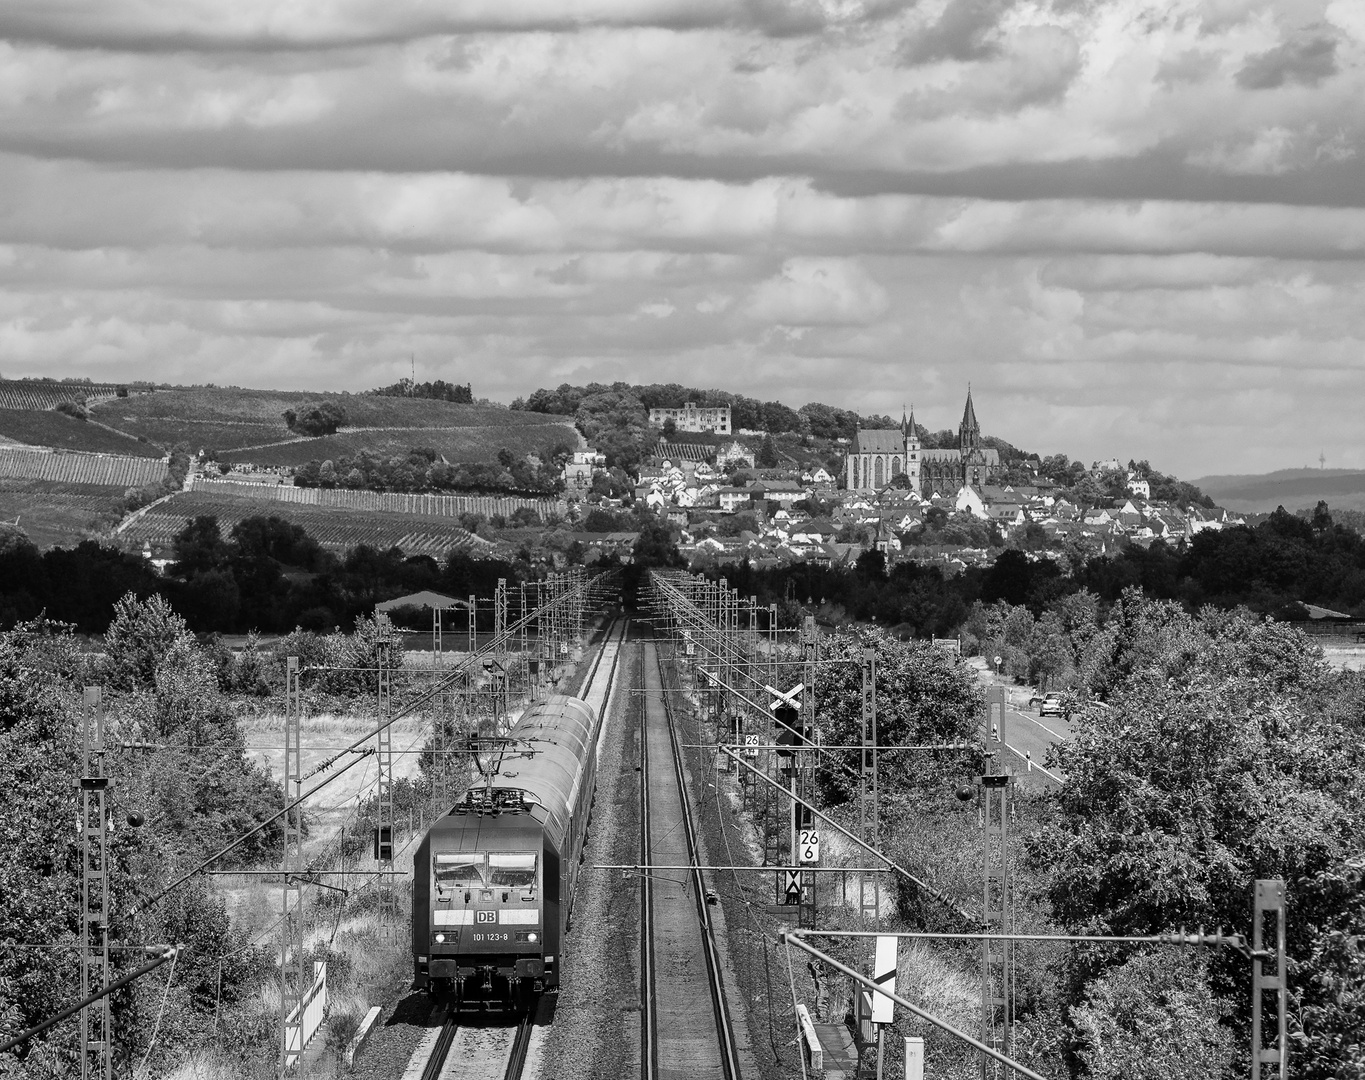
column 494, row 878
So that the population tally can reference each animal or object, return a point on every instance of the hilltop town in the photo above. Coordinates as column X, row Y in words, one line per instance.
column 427, row 470
column 880, row 490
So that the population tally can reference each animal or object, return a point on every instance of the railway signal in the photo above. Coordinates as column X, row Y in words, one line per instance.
column 791, row 886
column 786, row 710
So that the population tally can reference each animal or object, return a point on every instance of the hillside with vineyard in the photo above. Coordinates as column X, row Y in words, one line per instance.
column 250, row 427
column 337, row 528
column 76, row 457
column 35, row 427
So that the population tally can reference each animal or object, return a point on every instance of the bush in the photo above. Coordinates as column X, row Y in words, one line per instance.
column 316, row 418
column 74, row 409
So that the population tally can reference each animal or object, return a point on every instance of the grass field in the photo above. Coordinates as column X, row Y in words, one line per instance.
column 196, row 434
column 265, row 407
column 337, row 529
column 60, row 515
column 35, row 428
column 226, row 420
column 456, row 444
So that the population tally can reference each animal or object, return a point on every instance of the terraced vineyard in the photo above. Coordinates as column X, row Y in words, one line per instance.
column 34, row 395
column 59, row 514
column 33, row 428
column 435, row 506
column 106, row 470
column 336, row 528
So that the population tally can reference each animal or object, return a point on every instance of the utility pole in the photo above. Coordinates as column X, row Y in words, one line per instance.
column 869, row 790
column 521, row 645
column 810, row 658
column 1268, row 903
column 292, row 982
column 96, row 1031
column 386, row 833
column 997, row 907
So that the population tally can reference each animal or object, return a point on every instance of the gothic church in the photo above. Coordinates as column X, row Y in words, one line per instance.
column 877, row 456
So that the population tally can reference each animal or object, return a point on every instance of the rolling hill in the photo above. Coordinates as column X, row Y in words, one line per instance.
column 1294, row 489
column 248, row 425
column 64, row 479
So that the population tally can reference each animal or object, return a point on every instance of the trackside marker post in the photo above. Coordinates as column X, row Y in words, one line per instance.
column 884, row 976
column 914, row 1058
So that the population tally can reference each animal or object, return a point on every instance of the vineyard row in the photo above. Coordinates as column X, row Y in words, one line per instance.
column 335, row 531
column 381, row 501
column 36, row 397
column 109, row 470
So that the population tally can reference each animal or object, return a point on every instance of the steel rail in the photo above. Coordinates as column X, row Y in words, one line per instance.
column 724, row 1027
column 521, row 1043
column 437, row 1059
column 649, row 1048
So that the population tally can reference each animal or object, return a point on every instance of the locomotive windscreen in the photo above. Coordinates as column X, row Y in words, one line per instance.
column 477, row 870
column 462, row 870
column 512, row 870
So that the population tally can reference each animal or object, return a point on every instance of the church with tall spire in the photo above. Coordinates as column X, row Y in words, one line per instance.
column 876, row 457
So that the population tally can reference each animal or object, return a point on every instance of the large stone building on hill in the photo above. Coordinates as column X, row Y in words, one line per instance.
column 877, row 456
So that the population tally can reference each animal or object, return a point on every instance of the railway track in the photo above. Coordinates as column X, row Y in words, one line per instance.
column 680, row 969
column 475, row 1048
column 494, row 1046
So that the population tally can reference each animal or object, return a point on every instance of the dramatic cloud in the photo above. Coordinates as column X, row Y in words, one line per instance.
column 1307, row 59
column 1136, row 226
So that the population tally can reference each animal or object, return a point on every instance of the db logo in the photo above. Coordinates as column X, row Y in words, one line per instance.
column 485, row 916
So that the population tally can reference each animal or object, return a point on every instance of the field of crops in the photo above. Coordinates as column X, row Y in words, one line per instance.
column 102, row 469
column 335, row 528
column 456, row 444
column 23, row 394
column 34, row 428
column 60, row 515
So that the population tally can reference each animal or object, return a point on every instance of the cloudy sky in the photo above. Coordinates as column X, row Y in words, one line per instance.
column 1135, row 226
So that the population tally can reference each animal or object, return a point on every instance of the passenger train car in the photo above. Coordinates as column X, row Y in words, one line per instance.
column 494, row 879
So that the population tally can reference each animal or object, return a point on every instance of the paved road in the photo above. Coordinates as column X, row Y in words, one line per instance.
column 1026, row 733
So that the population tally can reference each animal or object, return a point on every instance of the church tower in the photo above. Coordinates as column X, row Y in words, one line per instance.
column 912, row 451
column 969, row 432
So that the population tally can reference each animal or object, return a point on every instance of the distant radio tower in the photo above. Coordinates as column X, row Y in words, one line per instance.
column 1322, row 461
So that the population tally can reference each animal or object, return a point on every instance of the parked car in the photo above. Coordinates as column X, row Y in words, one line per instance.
column 1051, row 705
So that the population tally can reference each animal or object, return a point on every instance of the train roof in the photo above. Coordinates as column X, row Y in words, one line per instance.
column 561, row 731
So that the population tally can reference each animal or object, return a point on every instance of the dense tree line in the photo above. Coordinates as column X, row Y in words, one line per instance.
column 1225, row 751
column 425, row 469
column 436, row 390
column 186, row 793
column 266, row 574
column 1272, row 568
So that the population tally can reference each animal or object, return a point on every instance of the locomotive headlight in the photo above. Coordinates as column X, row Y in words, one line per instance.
column 440, row 938
column 531, row 936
